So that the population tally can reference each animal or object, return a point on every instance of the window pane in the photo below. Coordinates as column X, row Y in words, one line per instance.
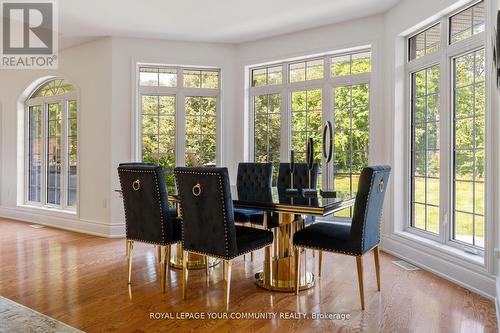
column 148, row 76
column 425, row 166
column 192, row 79
column 351, row 135
column 259, row 77
column 53, row 88
column 72, row 154
column 341, row 65
column 298, row 72
column 158, row 133
column 267, row 126
column 361, row 63
column 469, row 147
column 275, row 75
column 54, row 153
column 210, row 79
column 314, row 70
column 424, row 43
column 306, row 123
column 467, row 23
column 201, row 130
column 168, row 77
column 35, row 151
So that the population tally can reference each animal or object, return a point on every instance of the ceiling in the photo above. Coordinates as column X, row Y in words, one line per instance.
column 226, row 21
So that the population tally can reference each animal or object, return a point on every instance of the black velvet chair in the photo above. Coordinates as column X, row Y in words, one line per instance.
column 147, row 216
column 208, row 221
column 172, row 210
column 356, row 238
column 253, row 182
column 300, row 180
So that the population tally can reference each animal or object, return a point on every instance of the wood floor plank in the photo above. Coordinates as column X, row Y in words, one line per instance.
column 82, row 281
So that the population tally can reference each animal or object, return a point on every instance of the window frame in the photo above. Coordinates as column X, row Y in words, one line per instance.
column 180, row 93
column 444, row 59
column 44, row 102
column 327, row 86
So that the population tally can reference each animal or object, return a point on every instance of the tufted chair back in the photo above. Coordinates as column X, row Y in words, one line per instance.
column 206, row 211
column 145, row 201
column 254, row 181
column 300, row 176
column 372, row 186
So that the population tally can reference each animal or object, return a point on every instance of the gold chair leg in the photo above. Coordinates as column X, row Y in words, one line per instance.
column 163, row 273
column 185, row 256
column 227, row 282
column 130, row 248
column 169, row 254
column 377, row 265
column 297, row 269
column 320, row 260
column 359, row 265
column 158, row 252
column 126, row 248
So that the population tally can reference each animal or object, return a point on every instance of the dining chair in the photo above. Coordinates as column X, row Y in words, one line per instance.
column 300, row 180
column 147, row 217
column 208, row 227
column 355, row 238
column 253, row 183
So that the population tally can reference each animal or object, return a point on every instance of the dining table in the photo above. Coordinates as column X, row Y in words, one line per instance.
column 285, row 212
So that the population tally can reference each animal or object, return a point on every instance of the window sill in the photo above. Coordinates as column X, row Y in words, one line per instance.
column 48, row 211
column 442, row 250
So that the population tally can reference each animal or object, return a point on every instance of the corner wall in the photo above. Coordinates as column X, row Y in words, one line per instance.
column 88, row 66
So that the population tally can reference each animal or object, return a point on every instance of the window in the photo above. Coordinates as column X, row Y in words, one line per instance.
column 173, row 96
column 468, row 94
column 52, row 148
column 290, row 103
column 425, row 149
column 448, row 206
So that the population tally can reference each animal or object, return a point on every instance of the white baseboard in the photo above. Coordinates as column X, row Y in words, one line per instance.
column 71, row 223
column 480, row 283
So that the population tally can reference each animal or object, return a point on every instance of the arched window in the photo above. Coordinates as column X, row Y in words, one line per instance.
column 51, row 146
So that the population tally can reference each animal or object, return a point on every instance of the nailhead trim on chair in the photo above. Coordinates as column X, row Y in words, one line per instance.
column 159, row 203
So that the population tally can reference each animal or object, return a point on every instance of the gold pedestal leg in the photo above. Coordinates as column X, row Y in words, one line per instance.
column 227, row 282
column 297, row 270
column 267, row 265
column 359, row 265
column 130, row 248
column 185, row 256
column 377, row 265
column 320, row 259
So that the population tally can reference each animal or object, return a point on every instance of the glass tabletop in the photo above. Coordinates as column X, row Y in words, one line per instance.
column 300, row 202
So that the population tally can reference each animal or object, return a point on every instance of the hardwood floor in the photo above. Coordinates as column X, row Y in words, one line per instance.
column 82, row 281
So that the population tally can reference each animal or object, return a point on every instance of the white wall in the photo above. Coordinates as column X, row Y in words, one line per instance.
column 89, row 67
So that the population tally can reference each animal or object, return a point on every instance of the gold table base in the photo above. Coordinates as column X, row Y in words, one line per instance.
column 282, row 262
column 195, row 261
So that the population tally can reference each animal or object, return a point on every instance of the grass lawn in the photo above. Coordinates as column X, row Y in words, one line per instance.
column 464, row 202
